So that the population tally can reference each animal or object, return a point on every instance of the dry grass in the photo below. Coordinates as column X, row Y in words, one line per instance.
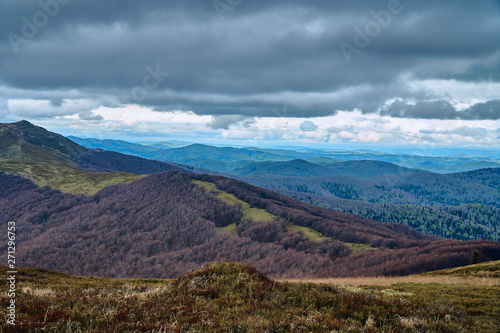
column 384, row 281
column 230, row 297
column 35, row 292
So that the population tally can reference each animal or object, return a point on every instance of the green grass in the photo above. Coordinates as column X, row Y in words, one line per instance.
column 231, row 297
column 486, row 269
column 475, row 304
column 358, row 247
column 307, row 232
column 230, row 229
column 255, row 214
column 65, row 178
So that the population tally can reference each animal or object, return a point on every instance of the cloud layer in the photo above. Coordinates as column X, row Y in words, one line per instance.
column 241, row 61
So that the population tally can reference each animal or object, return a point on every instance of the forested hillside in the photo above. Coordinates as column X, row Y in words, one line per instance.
column 463, row 222
column 165, row 225
column 462, row 206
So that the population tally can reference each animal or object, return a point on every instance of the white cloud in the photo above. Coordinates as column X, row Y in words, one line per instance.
column 308, row 126
column 134, row 122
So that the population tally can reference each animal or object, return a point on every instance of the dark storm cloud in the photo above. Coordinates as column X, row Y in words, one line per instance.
column 422, row 110
column 252, row 58
column 442, row 110
column 489, row 110
column 89, row 115
column 224, row 121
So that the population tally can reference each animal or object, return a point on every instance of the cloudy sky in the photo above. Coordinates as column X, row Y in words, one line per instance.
column 396, row 72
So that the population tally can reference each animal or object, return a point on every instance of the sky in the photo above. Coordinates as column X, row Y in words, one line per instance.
column 377, row 72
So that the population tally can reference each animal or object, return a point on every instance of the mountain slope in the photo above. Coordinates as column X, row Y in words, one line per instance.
column 51, row 159
column 23, row 140
column 293, row 168
column 326, row 167
column 165, row 225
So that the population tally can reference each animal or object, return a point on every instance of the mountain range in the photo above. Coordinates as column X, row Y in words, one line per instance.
column 108, row 214
column 226, row 159
column 460, row 205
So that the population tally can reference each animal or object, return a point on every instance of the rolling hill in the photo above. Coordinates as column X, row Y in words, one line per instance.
column 293, row 168
column 227, row 159
column 363, row 169
column 51, row 159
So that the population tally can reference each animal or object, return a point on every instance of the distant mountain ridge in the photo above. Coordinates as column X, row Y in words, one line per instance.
column 305, row 169
column 227, row 159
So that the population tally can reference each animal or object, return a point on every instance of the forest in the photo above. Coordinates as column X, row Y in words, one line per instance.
column 463, row 222
column 462, row 206
column 164, row 225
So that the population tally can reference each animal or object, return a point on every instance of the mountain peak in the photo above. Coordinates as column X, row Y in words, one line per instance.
column 24, row 123
column 36, row 143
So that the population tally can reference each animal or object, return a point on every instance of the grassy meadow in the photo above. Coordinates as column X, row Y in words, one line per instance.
column 255, row 214
column 66, row 179
column 231, row 297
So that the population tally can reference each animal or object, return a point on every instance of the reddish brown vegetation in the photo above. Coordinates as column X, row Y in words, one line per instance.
column 164, row 225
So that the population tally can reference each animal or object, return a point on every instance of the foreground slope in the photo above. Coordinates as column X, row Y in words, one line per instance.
column 167, row 224
column 233, row 297
column 484, row 269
